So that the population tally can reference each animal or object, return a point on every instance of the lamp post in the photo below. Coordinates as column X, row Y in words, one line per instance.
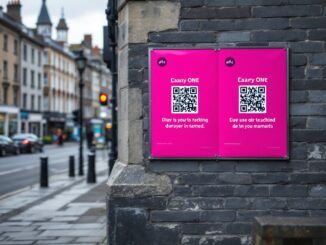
column 112, row 16
column 81, row 65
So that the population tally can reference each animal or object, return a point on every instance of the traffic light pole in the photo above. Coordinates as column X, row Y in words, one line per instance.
column 111, row 14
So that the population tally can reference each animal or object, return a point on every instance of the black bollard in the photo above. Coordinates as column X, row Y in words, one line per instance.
column 44, row 174
column 91, row 175
column 71, row 166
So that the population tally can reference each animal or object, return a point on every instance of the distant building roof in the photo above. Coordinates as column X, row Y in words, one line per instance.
column 62, row 25
column 20, row 28
column 44, row 17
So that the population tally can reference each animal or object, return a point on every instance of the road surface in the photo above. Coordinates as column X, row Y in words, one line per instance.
column 19, row 172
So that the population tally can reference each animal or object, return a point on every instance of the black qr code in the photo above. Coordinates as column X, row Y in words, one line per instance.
column 184, row 99
column 252, row 99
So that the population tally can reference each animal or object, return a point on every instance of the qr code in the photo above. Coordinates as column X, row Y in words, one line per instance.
column 252, row 99
column 184, row 99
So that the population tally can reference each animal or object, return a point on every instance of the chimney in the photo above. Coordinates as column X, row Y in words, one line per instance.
column 96, row 51
column 88, row 43
column 13, row 10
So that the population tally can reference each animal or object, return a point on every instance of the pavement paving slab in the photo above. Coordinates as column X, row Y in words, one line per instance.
column 69, row 212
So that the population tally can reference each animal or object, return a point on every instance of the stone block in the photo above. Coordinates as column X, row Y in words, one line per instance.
column 175, row 216
column 132, row 181
column 270, row 178
column 191, row 3
column 307, row 135
column 316, row 123
column 318, row 59
column 269, row 203
column 309, row 23
column 317, row 151
column 317, row 34
column 318, row 191
column 307, row 109
column 217, row 216
column 307, row 47
column 213, row 191
column 317, row 96
column 145, row 17
column 251, row 191
column 237, row 36
column 276, row 35
column 262, row 23
column 298, row 122
column 238, row 228
column 202, row 229
column 182, row 37
column 215, row 13
column 289, row 191
column 298, row 151
column 298, row 59
column 286, row 11
column 298, row 96
column 182, row 166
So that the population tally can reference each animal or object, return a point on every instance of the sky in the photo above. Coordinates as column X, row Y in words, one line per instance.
column 82, row 17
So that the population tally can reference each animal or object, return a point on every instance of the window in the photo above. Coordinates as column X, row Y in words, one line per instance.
column 24, row 100
column 5, row 69
column 15, row 47
column 33, row 55
column 32, row 79
column 15, row 97
column 45, row 57
column 24, row 76
column 5, row 42
column 5, row 95
column 15, row 72
column 45, row 79
column 25, row 52
column 32, row 102
column 39, row 85
column 39, row 103
column 39, row 58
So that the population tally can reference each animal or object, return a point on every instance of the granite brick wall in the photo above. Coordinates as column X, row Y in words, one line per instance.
column 213, row 202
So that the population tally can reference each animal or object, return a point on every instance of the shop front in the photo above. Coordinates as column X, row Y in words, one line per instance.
column 9, row 120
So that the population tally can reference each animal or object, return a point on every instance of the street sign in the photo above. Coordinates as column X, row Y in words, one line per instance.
column 229, row 103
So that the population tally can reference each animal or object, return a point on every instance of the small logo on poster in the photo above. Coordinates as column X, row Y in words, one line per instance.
column 229, row 61
column 162, row 61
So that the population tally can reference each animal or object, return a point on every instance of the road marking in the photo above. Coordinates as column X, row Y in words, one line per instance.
column 16, row 170
column 14, row 192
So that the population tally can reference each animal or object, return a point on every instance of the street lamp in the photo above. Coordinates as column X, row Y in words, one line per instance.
column 81, row 65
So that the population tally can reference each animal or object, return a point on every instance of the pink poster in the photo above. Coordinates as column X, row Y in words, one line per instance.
column 227, row 103
column 252, row 103
column 183, row 103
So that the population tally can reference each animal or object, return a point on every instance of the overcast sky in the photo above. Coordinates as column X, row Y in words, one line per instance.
column 82, row 16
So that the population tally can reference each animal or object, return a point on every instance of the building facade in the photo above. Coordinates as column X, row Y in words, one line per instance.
column 31, row 71
column 195, row 201
column 10, row 71
column 60, row 76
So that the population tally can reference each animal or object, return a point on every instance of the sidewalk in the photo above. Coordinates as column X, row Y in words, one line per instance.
column 70, row 212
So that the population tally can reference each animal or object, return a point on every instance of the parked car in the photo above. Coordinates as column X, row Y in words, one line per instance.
column 28, row 143
column 8, row 146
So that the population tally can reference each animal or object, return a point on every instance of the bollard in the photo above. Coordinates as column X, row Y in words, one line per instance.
column 44, row 174
column 71, row 166
column 91, row 175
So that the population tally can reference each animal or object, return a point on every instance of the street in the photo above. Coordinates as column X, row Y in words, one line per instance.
column 22, row 171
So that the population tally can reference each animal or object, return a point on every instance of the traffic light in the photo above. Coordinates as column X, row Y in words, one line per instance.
column 75, row 114
column 104, row 98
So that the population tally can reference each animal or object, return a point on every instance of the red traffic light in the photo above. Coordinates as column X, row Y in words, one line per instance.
column 104, row 98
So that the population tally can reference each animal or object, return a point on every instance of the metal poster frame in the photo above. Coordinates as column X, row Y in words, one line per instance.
column 151, row 158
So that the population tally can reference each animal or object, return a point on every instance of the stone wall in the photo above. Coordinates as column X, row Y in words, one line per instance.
column 214, row 202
